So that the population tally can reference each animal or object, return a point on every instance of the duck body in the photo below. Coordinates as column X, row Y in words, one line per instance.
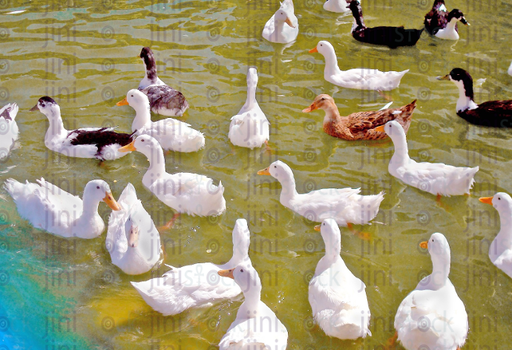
column 188, row 193
column 256, row 326
column 434, row 178
column 357, row 78
column 99, row 143
column 172, row 134
column 196, row 285
column 8, row 129
column 392, row 37
column 433, row 316
column 338, row 6
column 491, row 113
column 359, row 125
column 442, row 24
column 345, row 205
column 49, row 208
column 500, row 250
column 250, row 127
column 283, row 26
column 163, row 99
column 132, row 238
column 337, row 297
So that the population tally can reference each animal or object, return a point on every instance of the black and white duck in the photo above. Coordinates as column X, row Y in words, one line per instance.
column 99, row 143
column 392, row 37
column 163, row 99
column 442, row 24
column 490, row 113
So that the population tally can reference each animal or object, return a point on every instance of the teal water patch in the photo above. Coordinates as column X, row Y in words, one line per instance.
column 32, row 316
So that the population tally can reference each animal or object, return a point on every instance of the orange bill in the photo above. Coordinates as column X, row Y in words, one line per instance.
column 486, row 200
column 424, row 244
column 128, row 148
column 264, row 172
column 289, row 23
column 317, row 228
column 379, row 128
column 313, row 50
column 310, row 108
column 123, row 102
column 226, row 273
column 111, row 202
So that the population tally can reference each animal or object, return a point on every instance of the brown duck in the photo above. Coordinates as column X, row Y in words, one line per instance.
column 359, row 125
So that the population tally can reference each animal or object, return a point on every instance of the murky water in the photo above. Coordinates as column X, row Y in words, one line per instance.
column 65, row 294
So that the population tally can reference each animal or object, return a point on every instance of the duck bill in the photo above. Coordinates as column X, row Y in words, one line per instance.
column 486, row 200
column 463, row 20
column 310, row 108
column 128, row 148
column 35, row 108
column 379, row 128
column 264, row 172
column 111, row 202
column 133, row 240
column 446, row 77
column 424, row 244
column 317, row 228
column 123, row 102
column 289, row 23
column 313, row 50
column 226, row 273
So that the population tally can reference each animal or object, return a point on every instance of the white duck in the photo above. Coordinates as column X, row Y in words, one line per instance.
column 500, row 251
column 163, row 99
column 510, row 69
column 337, row 297
column 196, row 285
column 435, row 178
column 250, row 127
column 49, row 208
column 345, row 205
column 132, row 238
column 8, row 129
column 172, row 134
column 432, row 316
column 99, row 143
column 357, row 78
column 336, row 6
column 256, row 326
column 189, row 193
column 283, row 26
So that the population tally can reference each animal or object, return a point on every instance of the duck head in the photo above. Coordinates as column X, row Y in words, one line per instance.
column 391, row 128
column 99, row 190
column 277, row 170
column 501, row 201
column 47, row 106
column 135, row 99
column 331, row 235
column 458, row 16
column 282, row 17
column 246, row 277
column 462, row 79
column 252, row 77
column 322, row 101
column 323, row 47
column 143, row 143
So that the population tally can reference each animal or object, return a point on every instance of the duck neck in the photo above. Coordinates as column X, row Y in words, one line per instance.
column 250, row 308
column 332, row 115
column 440, row 271
column 142, row 116
column 505, row 235
column 250, row 102
column 465, row 100
column 401, row 155
column 90, row 208
column 56, row 126
column 331, row 63
column 357, row 12
column 156, row 165
column 288, row 191
column 240, row 254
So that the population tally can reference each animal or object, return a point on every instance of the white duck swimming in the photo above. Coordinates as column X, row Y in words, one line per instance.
column 345, row 205
column 336, row 6
column 432, row 316
column 283, row 26
column 256, row 326
column 435, row 178
column 196, row 285
column 250, row 127
column 189, row 193
column 500, row 251
column 49, row 208
column 172, row 134
column 99, row 143
column 357, row 78
column 8, row 129
column 132, row 238
column 163, row 99
column 337, row 297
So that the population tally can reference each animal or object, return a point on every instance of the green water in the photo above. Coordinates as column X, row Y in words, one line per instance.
column 65, row 294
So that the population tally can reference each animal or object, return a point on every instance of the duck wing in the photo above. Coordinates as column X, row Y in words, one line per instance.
column 164, row 97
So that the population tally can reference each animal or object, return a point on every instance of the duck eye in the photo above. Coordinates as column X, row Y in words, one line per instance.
column 241, row 270
column 98, row 187
column 131, row 95
column 499, row 198
column 275, row 166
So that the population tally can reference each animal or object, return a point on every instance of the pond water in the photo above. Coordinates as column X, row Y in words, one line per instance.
column 65, row 293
